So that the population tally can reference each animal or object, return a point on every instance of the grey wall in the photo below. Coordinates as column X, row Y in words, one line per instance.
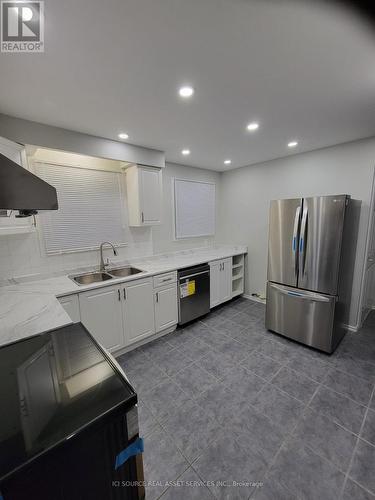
column 246, row 192
column 37, row 134
column 163, row 235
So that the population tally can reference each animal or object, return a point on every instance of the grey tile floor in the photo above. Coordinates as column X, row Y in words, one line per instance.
column 226, row 406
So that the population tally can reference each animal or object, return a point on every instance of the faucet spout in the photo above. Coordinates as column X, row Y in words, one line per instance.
column 102, row 264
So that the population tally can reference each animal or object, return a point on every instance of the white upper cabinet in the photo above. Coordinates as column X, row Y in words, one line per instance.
column 10, row 224
column 144, row 193
column 220, row 281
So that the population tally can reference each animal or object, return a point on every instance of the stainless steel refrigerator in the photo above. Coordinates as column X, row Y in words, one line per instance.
column 310, row 255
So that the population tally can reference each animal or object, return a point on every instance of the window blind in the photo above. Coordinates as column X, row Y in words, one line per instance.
column 90, row 208
column 194, row 208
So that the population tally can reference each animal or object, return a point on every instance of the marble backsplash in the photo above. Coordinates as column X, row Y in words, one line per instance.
column 24, row 255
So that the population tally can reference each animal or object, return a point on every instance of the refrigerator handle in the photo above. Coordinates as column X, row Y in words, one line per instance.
column 295, row 239
column 302, row 240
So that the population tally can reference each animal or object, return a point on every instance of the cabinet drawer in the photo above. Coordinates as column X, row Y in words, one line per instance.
column 165, row 279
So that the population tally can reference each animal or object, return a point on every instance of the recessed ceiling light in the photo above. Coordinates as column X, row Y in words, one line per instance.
column 227, row 162
column 186, row 91
column 123, row 136
column 185, row 152
column 292, row 144
column 253, row 126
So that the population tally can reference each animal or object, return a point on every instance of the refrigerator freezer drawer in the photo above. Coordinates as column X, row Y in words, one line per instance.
column 300, row 315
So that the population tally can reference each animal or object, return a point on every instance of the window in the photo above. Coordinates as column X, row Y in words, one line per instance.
column 194, row 208
column 91, row 208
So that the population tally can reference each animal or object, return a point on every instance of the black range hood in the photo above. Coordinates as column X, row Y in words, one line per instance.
column 23, row 191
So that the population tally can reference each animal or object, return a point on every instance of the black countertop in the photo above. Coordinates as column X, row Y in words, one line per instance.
column 51, row 386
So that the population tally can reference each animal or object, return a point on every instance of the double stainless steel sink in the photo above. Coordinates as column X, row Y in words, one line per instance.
column 99, row 276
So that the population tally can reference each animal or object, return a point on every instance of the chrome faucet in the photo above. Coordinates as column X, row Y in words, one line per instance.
column 102, row 264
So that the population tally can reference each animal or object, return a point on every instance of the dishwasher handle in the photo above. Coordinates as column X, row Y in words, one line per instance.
column 192, row 275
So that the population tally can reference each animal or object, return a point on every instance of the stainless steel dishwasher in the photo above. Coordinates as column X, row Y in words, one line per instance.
column 193, row 293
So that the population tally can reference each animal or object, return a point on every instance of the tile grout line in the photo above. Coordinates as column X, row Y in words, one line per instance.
column 285, row 364
column 190, row 467
column 161, row 422
column 165, row 491
column 269, row 382
column 348, row 397
column 167, row 375
column 356, row 446
column 360, row 486
column 289, row 434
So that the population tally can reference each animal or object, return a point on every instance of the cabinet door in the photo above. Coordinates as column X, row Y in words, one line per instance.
column 138, row 310
column 150, row 195
column 215, row 283
column 166, row 313
column 226, row 280
column 101, row 314
column 71, row 305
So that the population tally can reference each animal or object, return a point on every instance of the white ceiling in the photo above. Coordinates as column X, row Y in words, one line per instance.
column 303, row 70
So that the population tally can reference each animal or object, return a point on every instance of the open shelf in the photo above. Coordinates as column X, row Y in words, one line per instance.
column 238, row 267
column 235, row 266
column 237, row 260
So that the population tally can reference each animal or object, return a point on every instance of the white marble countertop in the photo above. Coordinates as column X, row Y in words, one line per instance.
column 23, row 314
column 29, row 307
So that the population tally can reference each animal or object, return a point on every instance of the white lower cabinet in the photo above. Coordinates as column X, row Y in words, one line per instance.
column 220, row 281
column 166, row 313
column 138, row 310
column 101, row 314
column 119, row 315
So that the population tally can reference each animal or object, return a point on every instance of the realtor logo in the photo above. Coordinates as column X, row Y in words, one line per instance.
column 22, row 26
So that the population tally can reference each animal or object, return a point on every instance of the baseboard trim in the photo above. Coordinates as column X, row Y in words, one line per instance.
column 254, row 299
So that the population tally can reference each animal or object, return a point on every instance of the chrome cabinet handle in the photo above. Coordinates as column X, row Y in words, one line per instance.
column 143, row 217
column 157, row 296
column 119, row 296
column 124, row 293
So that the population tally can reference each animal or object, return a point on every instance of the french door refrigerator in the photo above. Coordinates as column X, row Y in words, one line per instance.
column 308, row 292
